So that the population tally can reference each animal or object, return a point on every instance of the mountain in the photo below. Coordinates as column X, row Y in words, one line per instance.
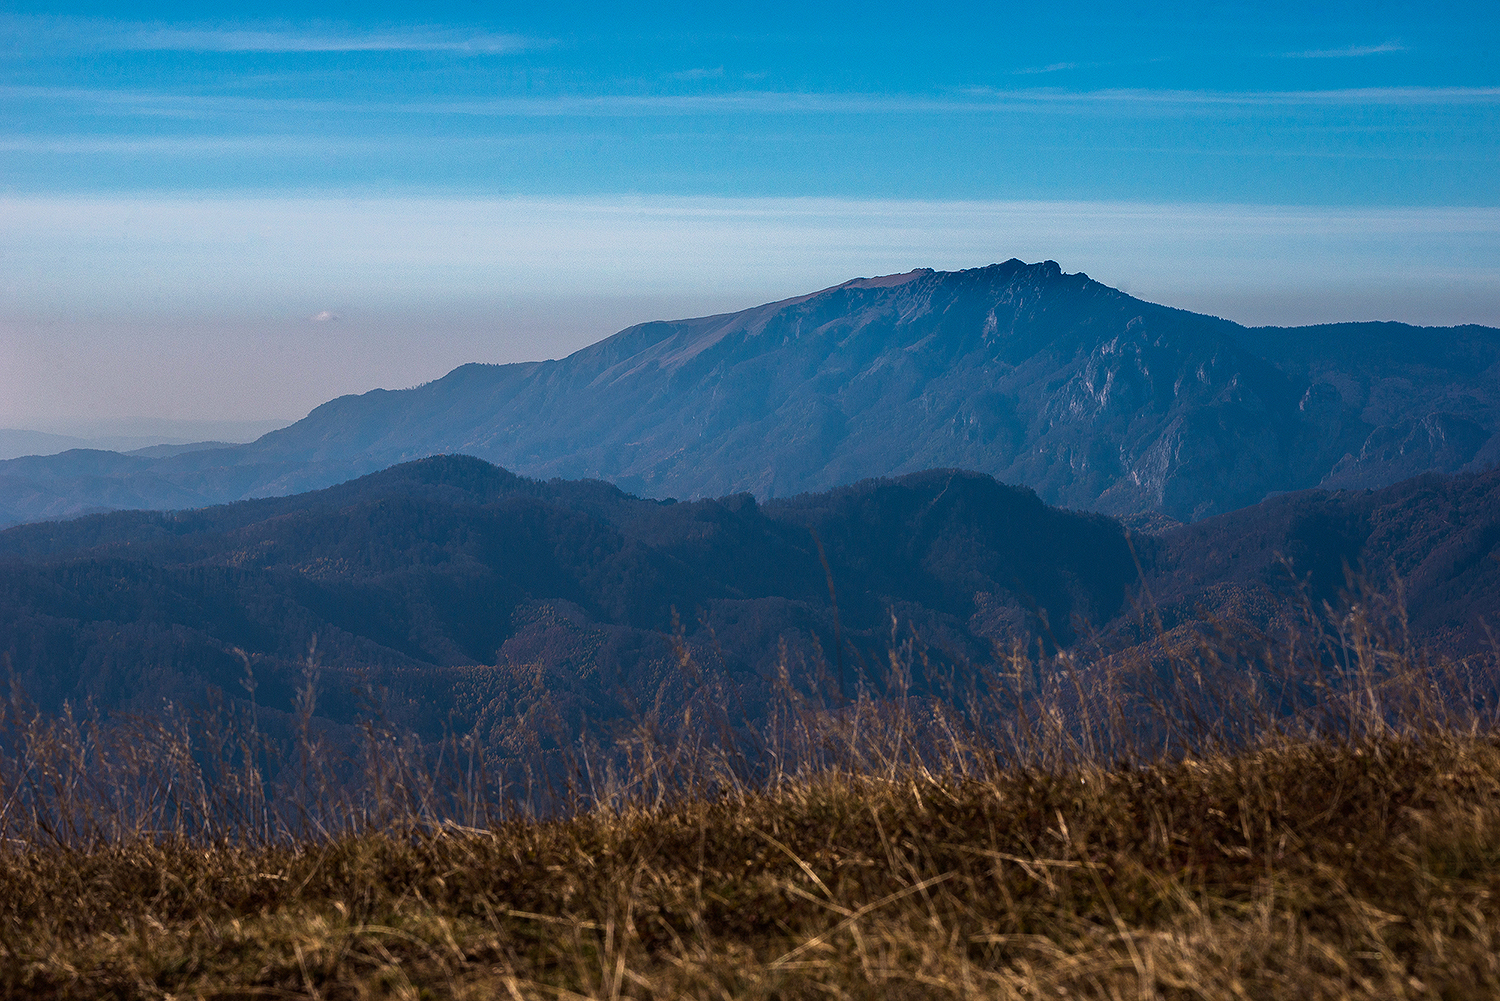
column 141, row 436
column 16, row 442
column 1434, row 540
column 458, row 588
column 449, row 592
column 1094, row 399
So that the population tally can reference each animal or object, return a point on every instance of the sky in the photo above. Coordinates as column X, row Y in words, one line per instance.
column 236, row 212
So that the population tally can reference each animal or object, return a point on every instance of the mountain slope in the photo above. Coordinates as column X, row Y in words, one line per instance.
column 454, row 593
column 460, row 588
column 1435, row 540
column 1093, row 398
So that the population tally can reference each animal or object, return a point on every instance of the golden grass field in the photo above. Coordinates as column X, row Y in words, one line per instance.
column 1349, row 849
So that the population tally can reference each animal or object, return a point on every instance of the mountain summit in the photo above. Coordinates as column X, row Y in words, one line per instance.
column 1091, row 397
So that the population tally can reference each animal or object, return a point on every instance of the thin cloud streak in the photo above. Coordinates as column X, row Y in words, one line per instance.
column 1052, row 68
column 1351, row 97
column 1351, row 52
column 971, row 101
column 240, row 145
column 181, row 40
column 251, row 146
column 698, row 73
column 98, row 35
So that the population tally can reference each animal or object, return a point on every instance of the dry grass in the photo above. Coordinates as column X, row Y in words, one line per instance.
column 1253, row 844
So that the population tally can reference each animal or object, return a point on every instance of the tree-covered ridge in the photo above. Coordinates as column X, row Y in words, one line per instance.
column 449, row 563
column 456, row 593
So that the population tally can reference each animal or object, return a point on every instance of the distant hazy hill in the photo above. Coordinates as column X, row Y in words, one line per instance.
column 145, row 436
column 1093, row 398
column 454, row 593
column 16, row 442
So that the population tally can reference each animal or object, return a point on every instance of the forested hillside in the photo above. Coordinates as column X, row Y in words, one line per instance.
column 451, row 593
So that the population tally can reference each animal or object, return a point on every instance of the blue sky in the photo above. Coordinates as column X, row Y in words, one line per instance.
column 184, row 189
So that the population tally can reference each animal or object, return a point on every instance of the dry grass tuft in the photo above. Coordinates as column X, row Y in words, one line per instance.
column 1182, row 827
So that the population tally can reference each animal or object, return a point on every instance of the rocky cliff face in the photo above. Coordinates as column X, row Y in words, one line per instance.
column 1091, row 397
column 1436, row 442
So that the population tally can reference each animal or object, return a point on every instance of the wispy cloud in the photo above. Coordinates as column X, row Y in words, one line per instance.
column 1352, row 96
column 93, row 34
column 977, row 100
column 196, row 145
column 1049, row 68
column 1349, row 52
column 973, row 100
column 291, row 40
column 698, row 73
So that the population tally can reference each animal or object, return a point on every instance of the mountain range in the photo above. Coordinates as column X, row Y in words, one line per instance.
column 452, row 593
column 1092, row 398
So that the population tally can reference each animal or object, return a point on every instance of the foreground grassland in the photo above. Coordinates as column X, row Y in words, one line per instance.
column 1320, row 869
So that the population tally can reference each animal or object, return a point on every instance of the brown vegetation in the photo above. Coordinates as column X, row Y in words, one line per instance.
column 1081, row 833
